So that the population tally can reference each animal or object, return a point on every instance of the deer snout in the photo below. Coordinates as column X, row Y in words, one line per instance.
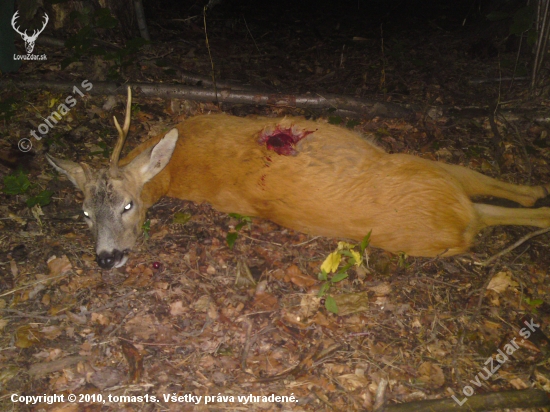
column 108, row 260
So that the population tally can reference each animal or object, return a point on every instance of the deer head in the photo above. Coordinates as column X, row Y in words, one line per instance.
column 29, row 40
column 112, row 205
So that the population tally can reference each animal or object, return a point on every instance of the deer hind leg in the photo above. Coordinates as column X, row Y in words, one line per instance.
column 489, row 215
column 477, row 184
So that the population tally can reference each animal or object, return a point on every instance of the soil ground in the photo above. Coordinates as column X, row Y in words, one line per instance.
column 188, row 315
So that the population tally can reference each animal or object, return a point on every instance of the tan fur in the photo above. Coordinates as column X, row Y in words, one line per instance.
column 339, row 184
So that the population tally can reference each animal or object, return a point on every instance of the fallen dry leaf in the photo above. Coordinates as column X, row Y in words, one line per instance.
column 352, row 303
column 431, row 374
column 295, row 275
column 501, row 281
column 58, row 266
column 351, row 381
column 177, row 308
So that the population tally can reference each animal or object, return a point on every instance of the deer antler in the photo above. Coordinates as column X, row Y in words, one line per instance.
column 122, row 133
column 13, row 19
column 37, row 32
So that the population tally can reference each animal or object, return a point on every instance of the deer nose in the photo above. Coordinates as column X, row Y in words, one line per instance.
column 106, row 260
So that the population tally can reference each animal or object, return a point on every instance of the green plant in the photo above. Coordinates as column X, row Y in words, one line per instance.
column 534, row 304
column 146, row 227
column 232, row 236
column 521, row 22
column 345, row 256
column 19, row 184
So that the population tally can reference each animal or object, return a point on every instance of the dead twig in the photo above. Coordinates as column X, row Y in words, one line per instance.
column 513, row 246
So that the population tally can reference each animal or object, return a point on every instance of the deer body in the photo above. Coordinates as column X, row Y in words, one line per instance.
column 330, row 182
column 338, row 184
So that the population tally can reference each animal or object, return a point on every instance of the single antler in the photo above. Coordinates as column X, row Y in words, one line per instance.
column 37, row 32
column 13, row 19
column 122, row 133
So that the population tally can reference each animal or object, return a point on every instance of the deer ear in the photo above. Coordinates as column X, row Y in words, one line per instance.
column 151, row 161
column 78, row 174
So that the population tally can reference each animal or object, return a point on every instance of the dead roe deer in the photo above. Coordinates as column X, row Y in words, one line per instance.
column 309, row 176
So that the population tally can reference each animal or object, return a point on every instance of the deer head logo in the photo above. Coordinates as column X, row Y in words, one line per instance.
column 29, row 40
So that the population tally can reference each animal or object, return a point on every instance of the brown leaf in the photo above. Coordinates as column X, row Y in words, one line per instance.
column 27, row 336
column 352, row 303
column 139, row 277
column 177, row 308
column 351, row 381
column 58, row 266
column 431, row 374
column 142, row 326
column 134, row 359
column 106, row 378
column 265, row 301
column 295, row 275
column 501, row 281
column 51, row 332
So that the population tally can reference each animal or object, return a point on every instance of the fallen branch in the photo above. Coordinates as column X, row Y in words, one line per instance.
column 368, row 107
column 41, row 369
column 512, row 247
column 529, row 398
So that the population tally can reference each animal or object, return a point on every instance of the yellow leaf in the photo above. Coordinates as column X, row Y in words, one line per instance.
column 356, row 256
column 332, row 262
column 345, row 245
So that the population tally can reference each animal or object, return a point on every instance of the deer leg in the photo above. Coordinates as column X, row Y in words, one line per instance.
column 477, row 184
column 489, row 215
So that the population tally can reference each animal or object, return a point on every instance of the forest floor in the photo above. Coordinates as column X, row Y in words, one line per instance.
column 190, row 316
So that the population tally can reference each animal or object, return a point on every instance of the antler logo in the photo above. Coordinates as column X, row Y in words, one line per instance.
column 29, row 40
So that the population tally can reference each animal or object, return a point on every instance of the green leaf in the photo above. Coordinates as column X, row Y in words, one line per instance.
column 181, row 218
column 322, row 275
column 104, row 20
column 335, row 119
column 231, row 238
column 338, row 277
column 352, row 123
column 43, row 198
column 16, row 184
column 346, row 253
column 523, row 20
column 365, row 242
column 330, row 305
column 324, row 289
column 146, row 227
column 240, row 226
column 534, row 302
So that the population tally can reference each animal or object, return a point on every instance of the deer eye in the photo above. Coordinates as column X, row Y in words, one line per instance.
column 128, row 206
column 86, row 214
